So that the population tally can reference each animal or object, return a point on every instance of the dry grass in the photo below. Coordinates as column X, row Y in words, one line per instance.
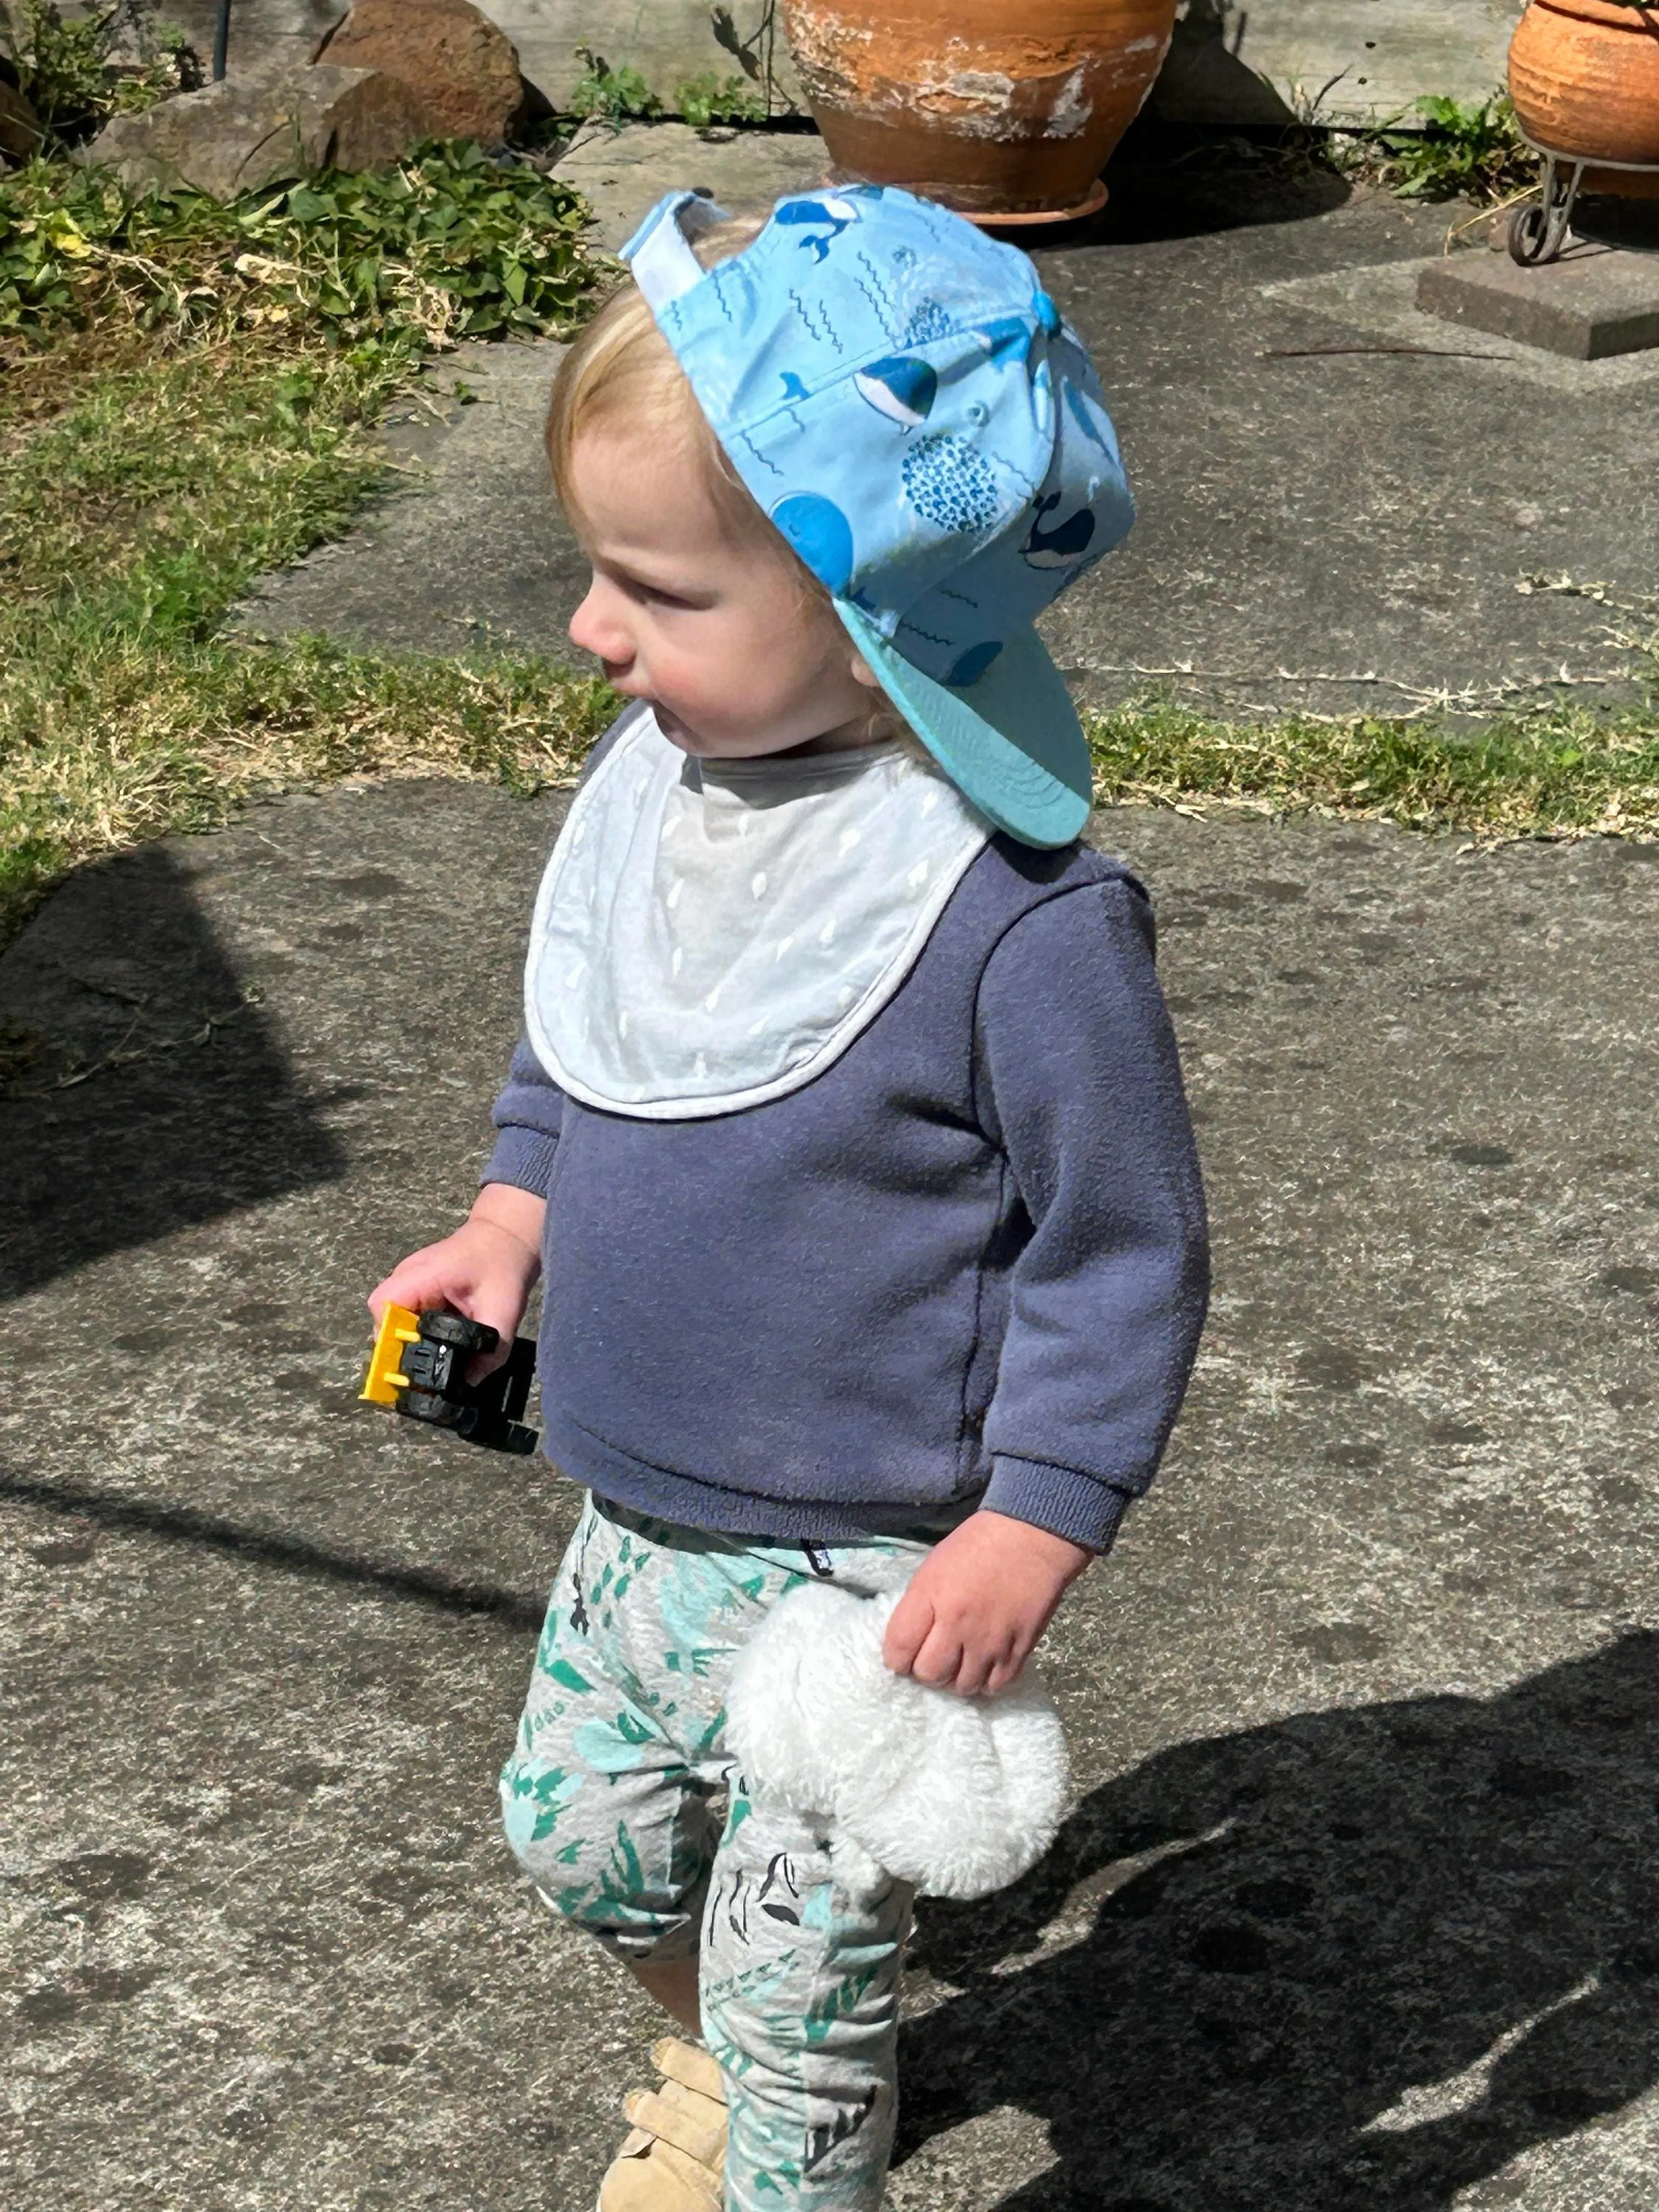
column 1563, row 773
column 137, row 744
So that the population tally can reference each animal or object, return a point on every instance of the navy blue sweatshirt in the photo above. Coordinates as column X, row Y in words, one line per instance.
column 966, row 1265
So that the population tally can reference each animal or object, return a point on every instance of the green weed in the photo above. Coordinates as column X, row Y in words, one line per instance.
column 64, row 65
column 447, row 245
column 610, row 95
column 706, row 100
column 1473, row 152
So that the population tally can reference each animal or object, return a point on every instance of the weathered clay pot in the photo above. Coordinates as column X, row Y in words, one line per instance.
column 1585, row 79
column 1001, row 108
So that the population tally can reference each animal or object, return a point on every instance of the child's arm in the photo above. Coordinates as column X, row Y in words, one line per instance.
column 1077, row 1081
column 486, row 1270
column 973, row 1610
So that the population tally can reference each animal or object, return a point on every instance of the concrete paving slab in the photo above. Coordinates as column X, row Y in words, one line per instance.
column 471, row 547
column 1342, row 500
column 1382, row 300
column 622, row 174
column 1594, row 302
column 1356, row 1910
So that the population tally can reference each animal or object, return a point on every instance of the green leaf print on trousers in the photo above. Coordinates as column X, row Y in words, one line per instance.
column 626, row 1876
column 532, row 1802
column 615, row 1745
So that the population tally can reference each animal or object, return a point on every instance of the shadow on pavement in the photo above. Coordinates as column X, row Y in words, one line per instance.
column 1205, row 77
column 1170, row 181
column 1360, row 1959
column 185, row 1524
column 148, row 1090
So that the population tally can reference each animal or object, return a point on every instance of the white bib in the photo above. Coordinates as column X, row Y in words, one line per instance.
column 711, row 934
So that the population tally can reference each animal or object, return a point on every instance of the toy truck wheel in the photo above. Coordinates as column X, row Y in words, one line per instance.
column 457, row 1330
column 428, row 1406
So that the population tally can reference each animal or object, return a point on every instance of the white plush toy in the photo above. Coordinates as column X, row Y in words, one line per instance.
column 959, row 1796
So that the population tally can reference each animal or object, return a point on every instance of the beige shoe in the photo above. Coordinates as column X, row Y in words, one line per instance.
column 674, row 2160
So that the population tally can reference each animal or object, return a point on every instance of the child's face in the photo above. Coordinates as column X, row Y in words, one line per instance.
column 710, row 628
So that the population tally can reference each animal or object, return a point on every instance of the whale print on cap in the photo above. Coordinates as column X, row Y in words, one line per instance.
column 901, row 389
column 821, row 534
column 1067, row 541
column 837, row 212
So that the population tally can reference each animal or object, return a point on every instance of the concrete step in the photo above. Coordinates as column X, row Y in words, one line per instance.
column 1597, row 301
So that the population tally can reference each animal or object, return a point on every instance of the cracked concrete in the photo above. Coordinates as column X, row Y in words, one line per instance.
column 1356, row 1912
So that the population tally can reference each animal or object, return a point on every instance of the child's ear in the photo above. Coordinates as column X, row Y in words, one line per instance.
column 863, row 673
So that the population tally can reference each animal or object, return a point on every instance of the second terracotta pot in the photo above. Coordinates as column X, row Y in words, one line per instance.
column 992, row 106
column 1585, row 79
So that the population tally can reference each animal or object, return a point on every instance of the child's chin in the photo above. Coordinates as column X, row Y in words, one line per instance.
column 681, row 733
column 677, row 731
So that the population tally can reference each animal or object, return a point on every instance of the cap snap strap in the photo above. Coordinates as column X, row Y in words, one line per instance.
column 658, row 255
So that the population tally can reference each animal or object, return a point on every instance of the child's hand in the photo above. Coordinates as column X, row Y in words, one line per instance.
column 485, row 1270
column 976, row 1606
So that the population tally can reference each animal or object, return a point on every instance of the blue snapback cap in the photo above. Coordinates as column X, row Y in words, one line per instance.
column 905, row 403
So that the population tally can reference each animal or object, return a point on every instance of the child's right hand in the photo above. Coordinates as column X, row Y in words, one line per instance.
column 486, row 1270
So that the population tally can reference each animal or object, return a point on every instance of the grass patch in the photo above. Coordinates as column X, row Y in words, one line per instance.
column 188, row 399
column 131, row 743
column 1564, row 773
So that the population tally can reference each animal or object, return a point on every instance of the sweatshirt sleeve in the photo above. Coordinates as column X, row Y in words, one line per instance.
column 527, row 1116
column 1079, row 1083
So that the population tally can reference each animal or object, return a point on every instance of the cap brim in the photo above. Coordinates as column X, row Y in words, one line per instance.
column 1011, row 742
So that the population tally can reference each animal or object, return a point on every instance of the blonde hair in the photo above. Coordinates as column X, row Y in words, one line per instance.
column 621, row 369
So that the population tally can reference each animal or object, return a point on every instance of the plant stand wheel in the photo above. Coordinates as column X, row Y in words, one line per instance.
column 1538, row 231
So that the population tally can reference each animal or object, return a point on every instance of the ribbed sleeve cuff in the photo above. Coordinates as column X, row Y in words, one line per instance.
column 523, row 1157
column 1079, row 1507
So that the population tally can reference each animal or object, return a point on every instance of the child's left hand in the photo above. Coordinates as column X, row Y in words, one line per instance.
column 976, row 1606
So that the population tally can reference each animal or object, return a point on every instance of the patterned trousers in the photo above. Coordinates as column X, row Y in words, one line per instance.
column 623, row 1804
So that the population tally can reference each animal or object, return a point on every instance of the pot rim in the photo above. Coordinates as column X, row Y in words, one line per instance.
column 1638, row 15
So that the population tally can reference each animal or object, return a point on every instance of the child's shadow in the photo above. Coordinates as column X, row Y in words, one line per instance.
column 1359, row 1958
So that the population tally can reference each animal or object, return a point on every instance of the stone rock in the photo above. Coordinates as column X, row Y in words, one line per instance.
column 447, row 52
column 248, row 132
column 19, row 127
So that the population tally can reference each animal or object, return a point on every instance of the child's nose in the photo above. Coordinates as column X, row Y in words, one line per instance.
column 596, row 628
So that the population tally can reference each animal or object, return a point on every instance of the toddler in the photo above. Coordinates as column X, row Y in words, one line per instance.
column 847, row 1122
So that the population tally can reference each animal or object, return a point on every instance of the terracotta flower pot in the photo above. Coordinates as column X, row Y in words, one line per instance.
column 1585, row 79
column 1000, row 109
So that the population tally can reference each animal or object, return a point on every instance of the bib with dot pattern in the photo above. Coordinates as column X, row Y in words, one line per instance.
column 713, row 934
